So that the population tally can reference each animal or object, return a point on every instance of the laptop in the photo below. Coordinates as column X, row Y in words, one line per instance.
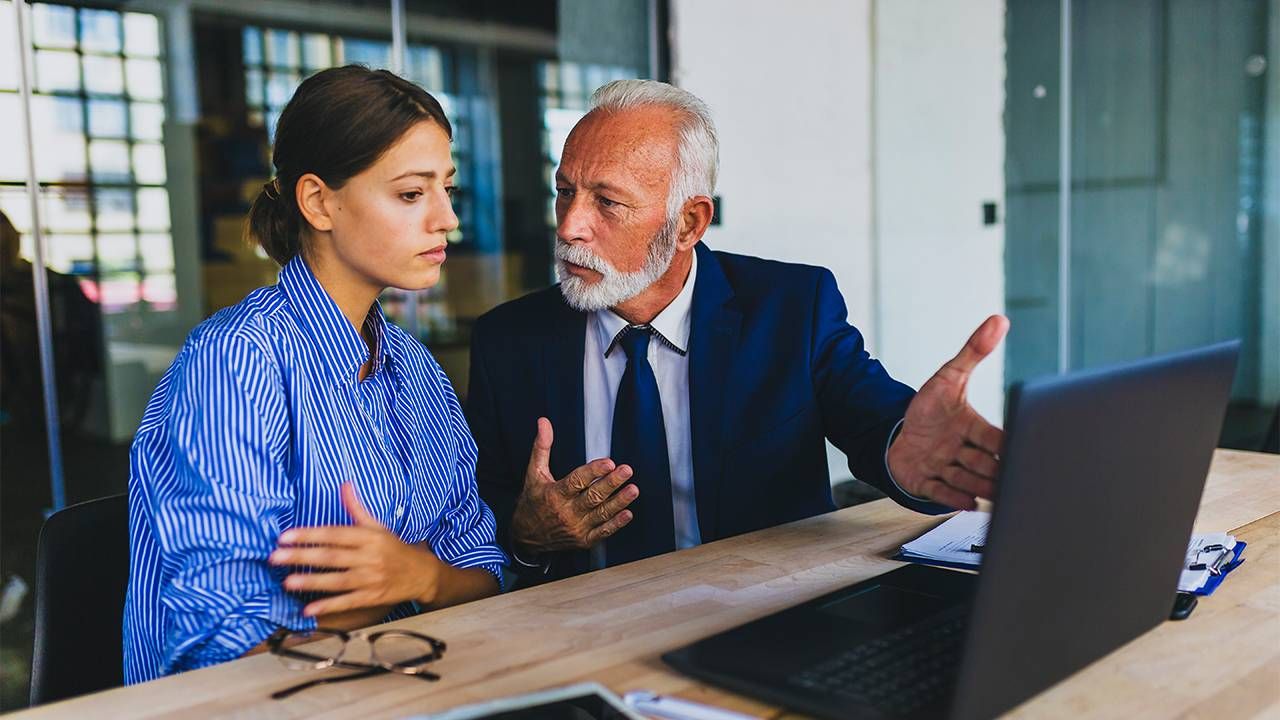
column 1118, row 454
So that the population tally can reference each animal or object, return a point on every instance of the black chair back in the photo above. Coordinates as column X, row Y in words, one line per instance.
column 82, row 571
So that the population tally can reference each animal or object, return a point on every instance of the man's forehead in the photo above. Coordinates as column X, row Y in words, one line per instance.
column 640, row 142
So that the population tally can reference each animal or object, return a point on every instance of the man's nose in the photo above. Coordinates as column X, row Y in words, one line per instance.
column 573, row 221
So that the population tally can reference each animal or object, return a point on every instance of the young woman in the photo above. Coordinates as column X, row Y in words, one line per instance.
column 299, row 429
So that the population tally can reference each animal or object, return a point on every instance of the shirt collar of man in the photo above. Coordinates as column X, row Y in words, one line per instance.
column 673, row 324
column 340, row 347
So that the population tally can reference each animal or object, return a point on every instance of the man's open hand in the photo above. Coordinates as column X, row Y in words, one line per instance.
column 946, row 452
column 575, row 512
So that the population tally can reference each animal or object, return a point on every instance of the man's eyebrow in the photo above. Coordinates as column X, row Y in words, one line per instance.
column 607, row 187
column 426, row 174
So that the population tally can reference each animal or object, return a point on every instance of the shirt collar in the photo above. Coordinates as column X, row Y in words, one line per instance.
column 672, row 324
column 341, row 348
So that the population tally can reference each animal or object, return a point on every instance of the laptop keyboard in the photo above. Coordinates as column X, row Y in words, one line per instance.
column 896, row 673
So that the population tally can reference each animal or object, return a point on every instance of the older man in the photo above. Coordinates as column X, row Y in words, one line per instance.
column 664, row 394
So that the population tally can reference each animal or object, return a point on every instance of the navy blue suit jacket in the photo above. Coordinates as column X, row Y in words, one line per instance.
column 774, row 368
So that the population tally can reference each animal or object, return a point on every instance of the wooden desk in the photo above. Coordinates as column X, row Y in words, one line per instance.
column 611, row 626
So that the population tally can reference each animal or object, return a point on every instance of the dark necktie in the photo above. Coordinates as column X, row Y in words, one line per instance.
column 640, row 440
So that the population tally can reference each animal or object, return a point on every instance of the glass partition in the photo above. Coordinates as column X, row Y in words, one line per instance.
column 1159, row 141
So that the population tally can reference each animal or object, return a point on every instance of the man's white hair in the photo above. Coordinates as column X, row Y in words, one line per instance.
column 699, row 145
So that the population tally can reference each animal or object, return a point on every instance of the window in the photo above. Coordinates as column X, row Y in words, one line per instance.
column 276, row 61
column 97, row 121
column 566, row 93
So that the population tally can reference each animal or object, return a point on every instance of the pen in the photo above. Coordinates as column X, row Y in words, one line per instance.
column 670, row 708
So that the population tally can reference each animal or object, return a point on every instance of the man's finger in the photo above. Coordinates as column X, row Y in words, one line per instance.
column 359, row 515
column 600, row 490
column 983, row 434
column 540, row 455
column 601, row 532
column 980, row 344
column 578, row 480
column 968, row 482
column 614, row 505
column 978, row 461
column 939, row 492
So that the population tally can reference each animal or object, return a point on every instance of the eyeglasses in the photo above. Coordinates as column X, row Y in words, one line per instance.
column 390, row 651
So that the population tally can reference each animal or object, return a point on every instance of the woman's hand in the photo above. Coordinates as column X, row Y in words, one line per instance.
column 364, row 565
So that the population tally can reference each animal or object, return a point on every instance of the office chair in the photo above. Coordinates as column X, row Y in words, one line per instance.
column 82, row 570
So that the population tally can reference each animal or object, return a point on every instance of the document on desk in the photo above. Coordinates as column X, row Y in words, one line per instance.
column 956, row 542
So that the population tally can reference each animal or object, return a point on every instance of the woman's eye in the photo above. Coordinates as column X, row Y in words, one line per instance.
column 410, row 196
column 451, row 190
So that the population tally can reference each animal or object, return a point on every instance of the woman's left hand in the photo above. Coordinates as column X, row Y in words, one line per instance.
column 363, row 565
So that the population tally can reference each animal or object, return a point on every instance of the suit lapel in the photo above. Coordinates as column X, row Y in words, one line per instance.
column 713, row 340
column 565, row 409
column 562, row 367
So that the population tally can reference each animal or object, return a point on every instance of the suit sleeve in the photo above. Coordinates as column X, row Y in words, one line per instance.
column 861, row 404
column 499, row 475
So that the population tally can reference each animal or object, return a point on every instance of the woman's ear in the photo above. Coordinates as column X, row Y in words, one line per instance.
column 311, row 193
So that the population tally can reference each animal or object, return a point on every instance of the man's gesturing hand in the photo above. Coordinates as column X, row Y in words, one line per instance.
column 946, row 452
column 575, row 512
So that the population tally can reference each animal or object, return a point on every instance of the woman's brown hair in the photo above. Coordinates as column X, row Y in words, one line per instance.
column 336, row 125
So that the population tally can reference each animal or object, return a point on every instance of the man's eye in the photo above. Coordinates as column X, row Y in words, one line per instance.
column 564, row 192
column 607, row 202
column 410, row 196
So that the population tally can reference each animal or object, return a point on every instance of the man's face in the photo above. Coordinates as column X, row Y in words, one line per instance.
column 614, row 238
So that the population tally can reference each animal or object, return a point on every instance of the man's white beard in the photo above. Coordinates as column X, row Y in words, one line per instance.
column 614, row 287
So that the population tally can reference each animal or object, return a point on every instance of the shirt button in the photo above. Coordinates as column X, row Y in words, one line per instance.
column 399, row 511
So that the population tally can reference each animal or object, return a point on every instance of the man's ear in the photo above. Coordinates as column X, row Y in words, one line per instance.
column 695, row 218
column 312, row 193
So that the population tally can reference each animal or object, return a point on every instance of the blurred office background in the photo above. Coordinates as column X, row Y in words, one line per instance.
column 1106, row 173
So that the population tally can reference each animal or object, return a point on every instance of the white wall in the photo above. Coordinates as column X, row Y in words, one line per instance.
column 789, row 84
column 893, row 209
column 938, row 144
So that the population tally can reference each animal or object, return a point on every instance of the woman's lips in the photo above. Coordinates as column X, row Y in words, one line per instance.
column 437, row 255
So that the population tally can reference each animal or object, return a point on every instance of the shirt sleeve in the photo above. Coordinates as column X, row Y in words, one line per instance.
column 465, row 536
column 220, row 515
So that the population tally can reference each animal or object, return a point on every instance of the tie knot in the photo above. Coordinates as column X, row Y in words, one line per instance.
column 635, row 341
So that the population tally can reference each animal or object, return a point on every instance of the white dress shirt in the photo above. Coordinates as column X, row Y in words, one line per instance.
column 668, row 354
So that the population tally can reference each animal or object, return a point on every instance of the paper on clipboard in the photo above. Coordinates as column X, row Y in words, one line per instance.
column 952, row 541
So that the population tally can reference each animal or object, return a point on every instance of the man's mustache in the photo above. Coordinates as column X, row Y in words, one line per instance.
column 581, row 256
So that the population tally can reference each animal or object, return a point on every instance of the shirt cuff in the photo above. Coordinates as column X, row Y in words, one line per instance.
column 893, row 436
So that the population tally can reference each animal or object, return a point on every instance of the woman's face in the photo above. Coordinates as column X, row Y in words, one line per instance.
column 389, row 222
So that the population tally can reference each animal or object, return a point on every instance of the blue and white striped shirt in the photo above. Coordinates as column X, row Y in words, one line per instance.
column 251, row 432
